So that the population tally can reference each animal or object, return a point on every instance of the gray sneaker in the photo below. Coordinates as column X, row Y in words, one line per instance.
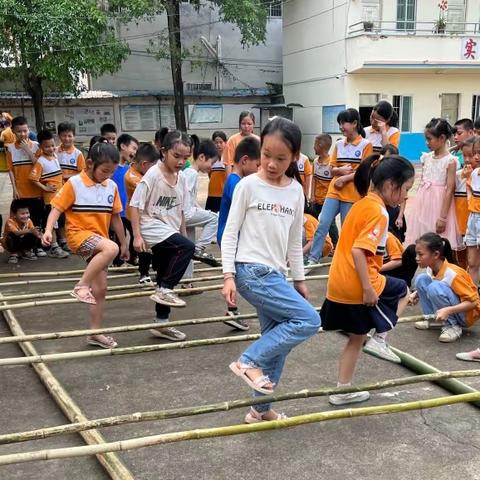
column 428, row 325
column 236, row 323
column 450, row 333
column 346, row 398
column 29, row 255
column 40, row 252
column 378, row 347
column 12, row 259
column 168, row 297
column 205, row 257
column 169, row 333
column 57, row 252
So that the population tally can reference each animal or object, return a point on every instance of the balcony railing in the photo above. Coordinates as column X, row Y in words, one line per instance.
column 406, row 27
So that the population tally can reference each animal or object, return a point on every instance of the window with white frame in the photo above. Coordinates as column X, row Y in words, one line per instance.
column 449, row 108
column 456, row 15
column 275, row 9
column 402, row 104
column 206, row 114
column 406, row 14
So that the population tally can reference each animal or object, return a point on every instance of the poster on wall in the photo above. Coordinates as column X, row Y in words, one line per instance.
column 87, row 120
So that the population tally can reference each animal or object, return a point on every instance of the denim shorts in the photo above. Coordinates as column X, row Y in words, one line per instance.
column 472, row 237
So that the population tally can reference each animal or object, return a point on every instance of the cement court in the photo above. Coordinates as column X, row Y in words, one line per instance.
column 439, row 443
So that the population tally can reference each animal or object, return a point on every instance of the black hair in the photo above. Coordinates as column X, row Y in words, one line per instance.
column 107, row 128
column 160, row 134
column 394, row 167
column 292, row 136
column 174, row 137
column 389, row 149
column 65, row 127
column 245, row 113
column 248, row 147
column 147, row 152
column 386, row 111
column 476, row 123
column 351, row 115
column 18, row 121
column 96, row 139
column 219, row 134
column 101, row 153
column 435, row 243
column 17, row 204
column 438, row 127
column 44, row 135
column 465, row 123
column 125, row 139
column 206, row 146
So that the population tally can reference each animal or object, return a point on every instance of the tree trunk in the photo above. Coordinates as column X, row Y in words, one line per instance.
column 33, row 86
column 175, row 47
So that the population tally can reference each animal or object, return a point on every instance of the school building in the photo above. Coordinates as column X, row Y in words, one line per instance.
column 353, row 53
column 221, row 78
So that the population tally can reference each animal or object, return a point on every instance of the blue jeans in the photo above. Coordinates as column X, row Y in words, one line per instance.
column 331, row 208
column 434, row 295
column 286, row 319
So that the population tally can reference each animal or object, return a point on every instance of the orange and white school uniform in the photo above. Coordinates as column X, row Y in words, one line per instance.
column 13, row 226
column 461, row 202
column 47, row 171
column 375, row 138
column 218, row 177
column 365, row 228
column 230, row 147
column 88, row 208
column 310, row 225
column 20, row 165
column 322, row 177
column 305, row 171
column 472, row 236
column 71, row 161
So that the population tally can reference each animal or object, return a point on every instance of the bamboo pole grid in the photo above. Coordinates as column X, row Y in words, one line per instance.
column 109, row 448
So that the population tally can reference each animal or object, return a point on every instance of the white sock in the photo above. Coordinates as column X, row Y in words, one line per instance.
column 382, row 336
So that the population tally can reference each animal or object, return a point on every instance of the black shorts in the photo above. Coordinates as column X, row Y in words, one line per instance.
column 360, row 319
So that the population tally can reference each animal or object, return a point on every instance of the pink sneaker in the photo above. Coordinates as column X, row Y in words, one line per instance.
column 473, row 356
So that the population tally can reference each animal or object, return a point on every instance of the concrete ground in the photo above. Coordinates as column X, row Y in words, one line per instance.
column 441, row 443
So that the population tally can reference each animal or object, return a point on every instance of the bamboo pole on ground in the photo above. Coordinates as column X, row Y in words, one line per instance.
column 55, row 357
column 197, row 434
column 122, row 296
column 58, row 280
column 110, row 461
column 137, row 417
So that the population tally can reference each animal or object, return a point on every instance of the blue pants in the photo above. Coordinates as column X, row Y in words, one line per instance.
column 434, row 295
column 331, row 208
column 286, row 319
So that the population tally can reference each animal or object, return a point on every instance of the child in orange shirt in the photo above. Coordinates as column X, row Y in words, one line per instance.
column 445, row 290
column 218, row 174
column 70, row 158
column 310, row 224
column 20, row 235
column 47, row 175
column 305, row 170
column 371, row 300
column 91, row 203
column 147, row 155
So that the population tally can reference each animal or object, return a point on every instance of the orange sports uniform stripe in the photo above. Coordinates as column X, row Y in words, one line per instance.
column 376, row 137
column 218, row 176
column 462, row 285
column 88, row 207
column 305, row 168
column 132, row 179
column 366, row 228
column 348, row 154
column 71, row 161
column 47, row 172
column 20, row 165
column 322, row 177
column 232, row 143
column 393, row 249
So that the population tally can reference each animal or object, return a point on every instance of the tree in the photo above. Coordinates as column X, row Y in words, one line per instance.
column 250, row 16
column 50, row 45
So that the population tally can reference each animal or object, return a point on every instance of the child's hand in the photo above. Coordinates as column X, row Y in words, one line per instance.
column 440, row 226
column 301, row 288
column 25, row 146
column 340, row 183
column 382, row 127
column 413, row 298
column 442, row 314
column 47, row 238
column 229, row 291
column 139, row 244
column 50, row 188
column 399, row 222
column 346, row 170
column 124, row 252
column 370, row 297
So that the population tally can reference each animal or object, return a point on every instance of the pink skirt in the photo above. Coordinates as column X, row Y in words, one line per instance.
column 423, row 214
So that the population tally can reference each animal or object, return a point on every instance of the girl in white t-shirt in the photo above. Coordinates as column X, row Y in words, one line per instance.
column 263, row 233
column 158, row 222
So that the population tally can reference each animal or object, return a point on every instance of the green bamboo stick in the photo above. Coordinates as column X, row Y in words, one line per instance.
column 55, row 357
column 130, row 444
column 137, row 417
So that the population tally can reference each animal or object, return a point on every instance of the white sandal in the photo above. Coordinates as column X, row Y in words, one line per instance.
column 258, row 384
column 256, row 417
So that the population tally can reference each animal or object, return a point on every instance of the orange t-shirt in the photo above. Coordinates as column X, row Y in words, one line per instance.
column 12, row 226
column 232, row 143
column 47, row 171
column 20, row 165
column 305, row 170
column 132, row 178
column 218, row 176
column 88, row 207
column 345, row 154
column 7, row 136
column 322, row 177
column 460, row 199
column 310, row 224
column 473, row 191
column 365, row 227
column 71, row 161
column 462, row 285
column 393, row 248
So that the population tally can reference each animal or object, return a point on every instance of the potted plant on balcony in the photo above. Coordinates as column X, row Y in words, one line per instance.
column 368, row 26
column 441, row 24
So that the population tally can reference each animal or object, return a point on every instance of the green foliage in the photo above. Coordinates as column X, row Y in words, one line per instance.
column 57, row 41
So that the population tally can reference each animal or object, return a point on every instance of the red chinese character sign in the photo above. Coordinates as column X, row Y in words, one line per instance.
column 470, row 48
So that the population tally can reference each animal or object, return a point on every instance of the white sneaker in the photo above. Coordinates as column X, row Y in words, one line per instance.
column 145, row 281
column 378, row 347
column 170, row 333
column 168, row 297
column 309, row 267
column 428, row 325
column 473, row 356
column 450, row 333
column 40, row 252
column 346, row 398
